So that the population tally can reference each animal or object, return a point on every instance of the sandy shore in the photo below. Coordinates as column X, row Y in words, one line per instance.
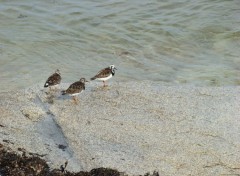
column 132, row 127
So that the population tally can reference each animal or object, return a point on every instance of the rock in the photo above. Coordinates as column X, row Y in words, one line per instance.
column 33, row 113
column 134, row 127
column 25, row 164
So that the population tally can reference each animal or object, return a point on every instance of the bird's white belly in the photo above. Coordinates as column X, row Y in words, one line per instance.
column 55, row 86
column 75, row 94
column 104, row 79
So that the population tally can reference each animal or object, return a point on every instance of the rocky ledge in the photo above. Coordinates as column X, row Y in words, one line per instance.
column 134, row 127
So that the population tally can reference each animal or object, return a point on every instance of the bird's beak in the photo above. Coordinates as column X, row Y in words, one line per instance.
column 86, row 81
column 115, row 68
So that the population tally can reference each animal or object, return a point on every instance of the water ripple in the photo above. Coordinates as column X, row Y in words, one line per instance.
column 176, row 42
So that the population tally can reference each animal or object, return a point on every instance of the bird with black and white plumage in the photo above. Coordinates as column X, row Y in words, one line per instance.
column 54, row 79
column 75, row 89
column 105, row 74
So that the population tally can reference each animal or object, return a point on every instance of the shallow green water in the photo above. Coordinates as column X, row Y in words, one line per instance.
column 173, row 42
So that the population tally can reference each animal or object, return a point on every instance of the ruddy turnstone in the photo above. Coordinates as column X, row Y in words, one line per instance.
column 105, row 74
column 75, row 88
column 53, row 80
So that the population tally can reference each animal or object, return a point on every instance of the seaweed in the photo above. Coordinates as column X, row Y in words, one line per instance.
column 22, row 163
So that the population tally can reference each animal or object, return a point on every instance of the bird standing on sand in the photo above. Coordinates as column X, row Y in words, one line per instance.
column 53, row 80
column 75, row 89
column 105, row 74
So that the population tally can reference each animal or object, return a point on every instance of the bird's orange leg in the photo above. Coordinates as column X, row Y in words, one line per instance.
column 75, row 100
column 104, row 84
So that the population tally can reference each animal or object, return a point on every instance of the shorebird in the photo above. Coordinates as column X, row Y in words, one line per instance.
column 75, row 88
column 105, row 74
column 53, row 80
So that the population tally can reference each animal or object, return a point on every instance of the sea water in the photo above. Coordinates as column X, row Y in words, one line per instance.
column 170, row 42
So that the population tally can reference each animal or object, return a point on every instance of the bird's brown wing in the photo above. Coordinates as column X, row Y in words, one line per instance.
column 53, row 79
column 76, row 87
column 103, row 73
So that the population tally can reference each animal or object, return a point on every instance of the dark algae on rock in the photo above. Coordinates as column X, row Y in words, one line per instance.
column 13, row 164
column 22, row 163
